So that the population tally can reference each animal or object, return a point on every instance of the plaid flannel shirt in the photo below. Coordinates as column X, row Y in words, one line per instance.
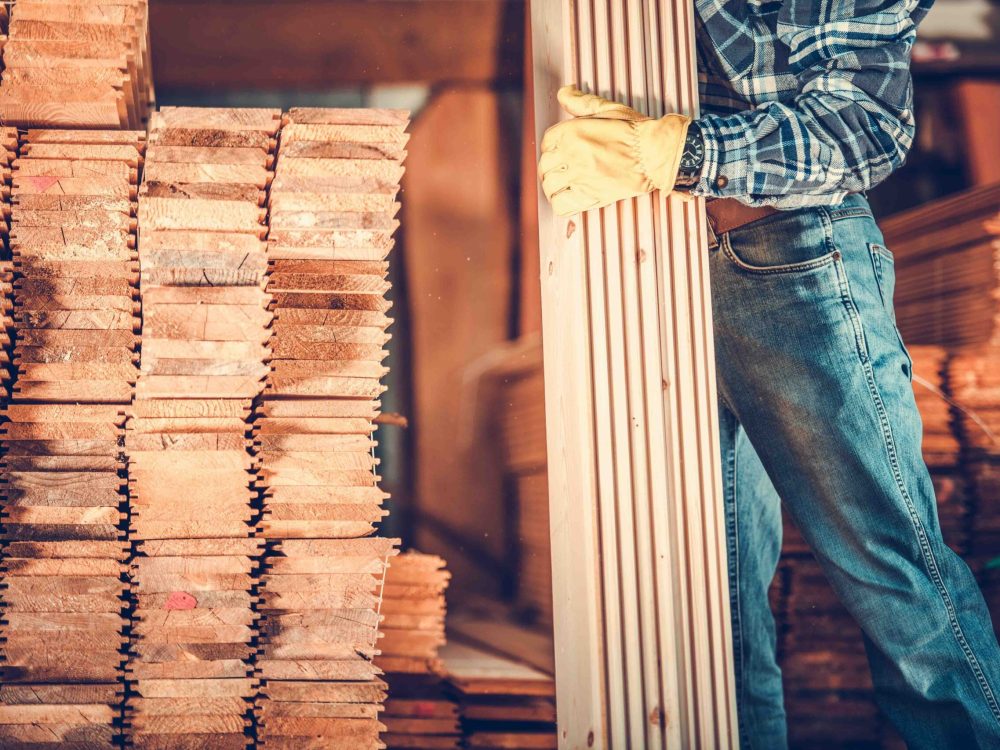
column 804, row 101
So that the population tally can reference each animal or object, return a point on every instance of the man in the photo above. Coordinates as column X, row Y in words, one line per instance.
column 808, row 104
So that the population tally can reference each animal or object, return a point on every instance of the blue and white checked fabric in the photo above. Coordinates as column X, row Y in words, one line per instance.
column 804, row 101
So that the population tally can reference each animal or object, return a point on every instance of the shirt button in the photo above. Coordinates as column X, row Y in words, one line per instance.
column 721, row 181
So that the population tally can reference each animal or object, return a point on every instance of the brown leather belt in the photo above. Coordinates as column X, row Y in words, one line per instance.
column 727, row 214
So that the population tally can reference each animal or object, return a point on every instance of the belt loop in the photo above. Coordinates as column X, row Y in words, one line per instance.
column 713, row 238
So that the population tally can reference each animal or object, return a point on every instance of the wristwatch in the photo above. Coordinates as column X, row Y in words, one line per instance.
column 691, row 159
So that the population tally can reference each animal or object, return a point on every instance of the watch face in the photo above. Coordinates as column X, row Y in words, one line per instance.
column 694, row 152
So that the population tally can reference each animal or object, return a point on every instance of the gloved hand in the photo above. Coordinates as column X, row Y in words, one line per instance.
column 607, row 153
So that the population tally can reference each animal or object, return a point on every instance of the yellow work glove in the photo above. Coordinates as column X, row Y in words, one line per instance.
column 607, row 153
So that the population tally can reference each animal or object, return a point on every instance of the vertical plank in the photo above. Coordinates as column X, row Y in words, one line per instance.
column 581, row 694
column 529, row 298
column 643, row 652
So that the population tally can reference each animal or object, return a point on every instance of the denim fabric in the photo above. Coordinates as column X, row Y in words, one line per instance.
column 817, row 407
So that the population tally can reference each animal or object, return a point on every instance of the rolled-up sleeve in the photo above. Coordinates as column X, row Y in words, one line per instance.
column 848, row 127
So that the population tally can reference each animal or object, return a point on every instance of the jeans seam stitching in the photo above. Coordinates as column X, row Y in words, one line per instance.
column 927, row 553
column 848, row 213
column 808, row 265
column 734, row 594
column 878, row 259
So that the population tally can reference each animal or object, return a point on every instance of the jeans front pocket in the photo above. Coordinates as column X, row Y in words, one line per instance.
column 789, row 243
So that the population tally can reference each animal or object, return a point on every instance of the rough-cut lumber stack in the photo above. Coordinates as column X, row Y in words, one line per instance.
column 8, row 152
column 948, row 269
column 76, row 63
column 975, row 387
column 940, row 445
column 824, row 660
column 204, row 348
column 976, row 391
column 503, row 703
column 413, row 605
column 942, row 449
column 332, row 208
column 522, row 422
column 419, row 719
column 418, row 714
column 63, row 627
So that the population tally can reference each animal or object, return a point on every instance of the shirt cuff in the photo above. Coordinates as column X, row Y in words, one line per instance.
column 724, row 170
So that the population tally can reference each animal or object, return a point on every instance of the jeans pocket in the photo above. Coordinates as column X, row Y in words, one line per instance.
column 883, row 265
column 786, row 243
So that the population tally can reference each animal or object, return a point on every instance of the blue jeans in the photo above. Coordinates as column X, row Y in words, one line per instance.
column 817, row 408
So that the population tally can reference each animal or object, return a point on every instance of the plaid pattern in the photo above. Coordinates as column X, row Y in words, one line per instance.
column 804, row 101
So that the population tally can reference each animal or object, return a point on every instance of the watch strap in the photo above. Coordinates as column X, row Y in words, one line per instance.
column 692, row 158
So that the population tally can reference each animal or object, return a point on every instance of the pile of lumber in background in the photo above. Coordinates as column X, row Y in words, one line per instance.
column 76, row 63
column 64, row 553
column 332, row 209
column 947, row 258
column 521, row 407
column 502, row 703
column 419, row 712
column 975, row 390
column 203, row 362
column 8, row 152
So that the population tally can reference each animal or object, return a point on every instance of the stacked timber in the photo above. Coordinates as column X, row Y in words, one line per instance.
column 332, row 209
column 975, row 387
column 503, row 703
column 413, row 606
column 8, row 152
column 940, row 446
column 419, row 713
column 942, row 449
column 76, row 63
column 418, row 718
column 976, row 392
column 522, row 423
column 948, row 268
column 191, row 466
column 64, row 552
column 823, row 664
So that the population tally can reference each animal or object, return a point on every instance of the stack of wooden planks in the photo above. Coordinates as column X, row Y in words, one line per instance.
column 420, row 718
column 64, row 553
column 413, row 606
column 332, row 207
column 942, row 449
column 76, row 63
column 940, row 446
column 204, row 351
column 975, row 389
column 503, row 704
column 823, row 662
column 418, row 713
column 948, row 269
column 8, row 152
column 522, row 423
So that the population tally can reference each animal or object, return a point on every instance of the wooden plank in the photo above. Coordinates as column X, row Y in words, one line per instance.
column 637, row 380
